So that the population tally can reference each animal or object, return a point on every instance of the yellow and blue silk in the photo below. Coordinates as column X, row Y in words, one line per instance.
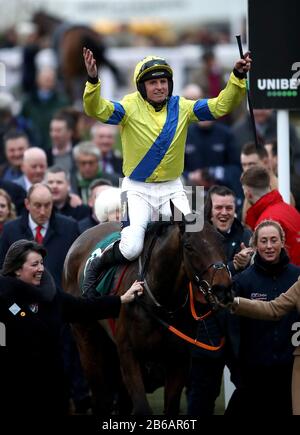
column 153, row 142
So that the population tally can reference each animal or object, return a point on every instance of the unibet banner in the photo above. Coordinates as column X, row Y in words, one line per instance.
column 275, row 49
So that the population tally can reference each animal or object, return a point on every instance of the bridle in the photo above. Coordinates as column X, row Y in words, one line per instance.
column 203, row 285
column 200, row 284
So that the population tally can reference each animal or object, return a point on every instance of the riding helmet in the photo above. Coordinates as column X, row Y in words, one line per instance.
column 152, row 67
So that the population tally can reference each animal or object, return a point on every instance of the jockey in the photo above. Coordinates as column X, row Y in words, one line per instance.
column 154, row 128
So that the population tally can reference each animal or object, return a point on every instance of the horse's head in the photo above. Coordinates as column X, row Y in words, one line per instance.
column 45, row 23
column 205, row 264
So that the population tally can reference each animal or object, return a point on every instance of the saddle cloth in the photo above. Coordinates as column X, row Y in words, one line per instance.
column 105, row 285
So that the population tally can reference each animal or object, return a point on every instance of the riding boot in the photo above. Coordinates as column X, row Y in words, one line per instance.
column 110, row 257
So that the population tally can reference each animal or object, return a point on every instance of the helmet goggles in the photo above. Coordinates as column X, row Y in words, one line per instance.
column 154, row 68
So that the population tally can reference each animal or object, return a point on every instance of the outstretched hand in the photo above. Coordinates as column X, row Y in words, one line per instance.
column 135, row 289
column 244, row 65
column 90, row 62
column 220, row 299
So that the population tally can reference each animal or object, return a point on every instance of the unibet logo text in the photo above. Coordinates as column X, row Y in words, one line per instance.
column 279, row 87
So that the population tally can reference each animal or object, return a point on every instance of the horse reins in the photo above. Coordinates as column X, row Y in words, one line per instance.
column 194, row 341
column 152, row 297
column 176, row 331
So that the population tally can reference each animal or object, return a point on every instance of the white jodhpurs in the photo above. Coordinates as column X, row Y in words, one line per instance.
column 145, row 202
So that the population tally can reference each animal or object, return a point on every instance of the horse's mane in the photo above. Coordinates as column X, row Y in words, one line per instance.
column 157, row 228
column 209, row 226
column 160, row 227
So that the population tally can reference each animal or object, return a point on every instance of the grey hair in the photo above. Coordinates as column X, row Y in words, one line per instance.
column 107, row 202
column 97, row 125
column 86, row 148
column 56, row 169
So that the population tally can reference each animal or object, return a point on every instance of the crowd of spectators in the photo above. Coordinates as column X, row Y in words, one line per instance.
column 59, row 174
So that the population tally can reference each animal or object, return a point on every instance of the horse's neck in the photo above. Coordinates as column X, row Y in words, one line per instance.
column 165, row 272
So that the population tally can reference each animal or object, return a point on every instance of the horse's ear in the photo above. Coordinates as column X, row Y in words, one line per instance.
column 177, row 217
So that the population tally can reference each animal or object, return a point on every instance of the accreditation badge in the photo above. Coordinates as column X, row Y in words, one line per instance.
column 34, row 308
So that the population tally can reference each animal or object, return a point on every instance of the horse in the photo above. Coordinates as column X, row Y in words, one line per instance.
column 153, row 333
column 68, row 41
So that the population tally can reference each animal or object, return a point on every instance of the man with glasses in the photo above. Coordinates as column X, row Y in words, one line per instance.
column 88, row 163
column 154, row 128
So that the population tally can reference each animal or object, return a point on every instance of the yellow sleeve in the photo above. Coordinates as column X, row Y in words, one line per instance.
column 229, row 98
column 100, row 108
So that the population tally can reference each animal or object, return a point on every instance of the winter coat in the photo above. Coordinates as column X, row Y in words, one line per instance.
column 265, row 344
column 31, row 367
column 274, row 310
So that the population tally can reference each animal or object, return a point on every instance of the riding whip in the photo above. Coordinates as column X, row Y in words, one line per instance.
column 238, row 38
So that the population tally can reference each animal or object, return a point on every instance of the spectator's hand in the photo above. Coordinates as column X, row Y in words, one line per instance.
column 135, row 289
column 221, row 298
column 242, row 258
column 75, row 200
column 90, row 62
column 244, row 65
column 228, row 304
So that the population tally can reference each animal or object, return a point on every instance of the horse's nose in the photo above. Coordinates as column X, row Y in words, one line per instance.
column 223, row 293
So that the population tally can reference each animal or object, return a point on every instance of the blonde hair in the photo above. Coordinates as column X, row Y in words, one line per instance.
column 10, row 205
column 107, row 202
column 267, row 223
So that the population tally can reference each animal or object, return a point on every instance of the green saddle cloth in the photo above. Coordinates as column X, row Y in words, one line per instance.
column 105, row 285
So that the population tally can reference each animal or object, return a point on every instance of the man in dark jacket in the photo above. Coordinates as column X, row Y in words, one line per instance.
column 210, row 146
column 104, row 137
column 58, row 232
column 15, row 144
column 266, row 128
column 88, row 161
column 220, row 210
column 34, row 167
column 59, row 182
column 207, row 366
